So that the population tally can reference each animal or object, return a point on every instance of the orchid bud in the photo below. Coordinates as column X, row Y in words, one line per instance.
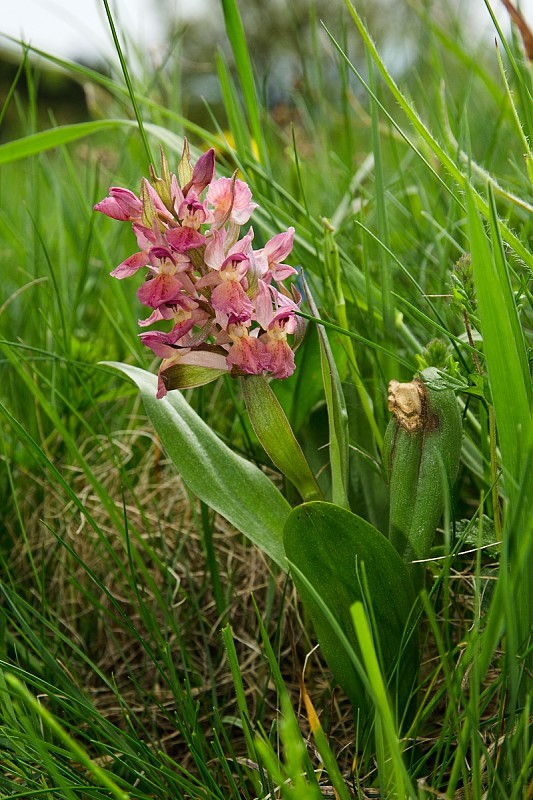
column 203, row 173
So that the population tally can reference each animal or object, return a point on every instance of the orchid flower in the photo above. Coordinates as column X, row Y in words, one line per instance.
column 226, row 304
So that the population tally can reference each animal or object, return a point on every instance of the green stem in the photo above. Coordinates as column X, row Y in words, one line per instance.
column 276, row 436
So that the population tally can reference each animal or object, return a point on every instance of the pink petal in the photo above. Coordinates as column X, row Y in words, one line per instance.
column 279, row 246
column 204, row 358
column 193, row 212
column 220, row 196
column 202, row 174
column 168, row 311
column 161, row 388
column 164, row 288
column 263, row 305
column 162, row 343
column 281, row 358
column 242, row 203
column 243, row 245
column 281, row 272
column 121, row 204
column 284, row 320
column 146, row 238
column 130, row 266
column 183, row 239
column 214, row 250
column 230, row 299
column 155, row 316
column 247, row 355
column 238, row 262
column 158, row 342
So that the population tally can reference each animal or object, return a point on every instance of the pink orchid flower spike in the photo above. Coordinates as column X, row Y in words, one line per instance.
column 220, row 305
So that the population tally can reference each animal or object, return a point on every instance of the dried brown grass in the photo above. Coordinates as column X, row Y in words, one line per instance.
column 160, row 514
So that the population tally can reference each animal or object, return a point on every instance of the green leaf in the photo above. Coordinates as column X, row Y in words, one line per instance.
column 231, row 96
column 503, row 344
column 510, row 386
column 272, row 428
column 341, row 559
column 225, row 481
column 388, row 747
column 55, row 137
column 188, row 376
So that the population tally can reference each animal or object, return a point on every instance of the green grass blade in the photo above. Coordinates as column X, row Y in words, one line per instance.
column 237, row 38
column 99, row 774
column 503, row 346
column 394, row 773
column 229, row 643
column 506, row 363
column 382, row 226
column 46, row 140
column 127, row 79
column 337, row 414
column 422, row 130
column 232, row 105
column 288, row 711
column 326, row 753
column 290, row 777
column 518, row 343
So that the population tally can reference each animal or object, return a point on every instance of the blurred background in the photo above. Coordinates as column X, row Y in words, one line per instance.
column 181, row 39
column 78, row 29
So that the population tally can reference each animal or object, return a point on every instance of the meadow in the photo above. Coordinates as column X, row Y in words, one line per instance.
column 153, row 643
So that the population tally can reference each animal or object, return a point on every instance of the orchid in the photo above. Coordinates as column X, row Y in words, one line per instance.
column 225, row 303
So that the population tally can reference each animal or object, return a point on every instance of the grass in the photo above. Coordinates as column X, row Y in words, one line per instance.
column 147, row 649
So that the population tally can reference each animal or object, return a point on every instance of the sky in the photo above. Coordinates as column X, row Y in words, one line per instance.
column 78, row 29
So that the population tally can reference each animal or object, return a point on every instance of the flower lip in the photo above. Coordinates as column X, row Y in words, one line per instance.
column 236, row 261
column 160, row 253
column 183, row 239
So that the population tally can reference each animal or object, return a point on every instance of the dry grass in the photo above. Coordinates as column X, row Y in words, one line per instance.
column 161, row 516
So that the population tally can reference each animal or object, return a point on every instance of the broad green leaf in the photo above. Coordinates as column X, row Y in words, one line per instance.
column 346, row 560
column 225, row 481
column 272, row 428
